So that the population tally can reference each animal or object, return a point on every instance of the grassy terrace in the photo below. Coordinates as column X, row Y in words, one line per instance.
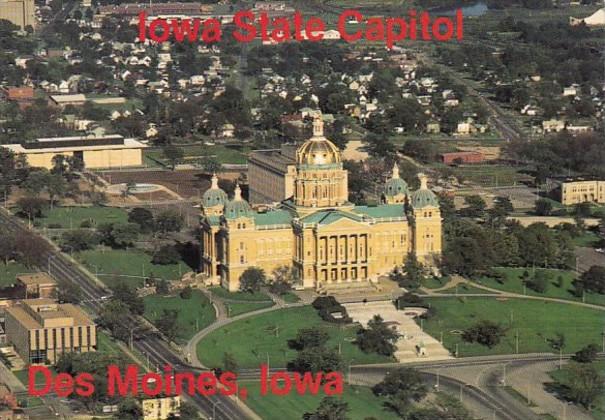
column 362, row 402
column 194, row 314
column 463, row 289
column 72, row 217
column 513, row 283
column 534, row 321
column 268, row 334
column 9, row 271
column 113, row 265
column 238, row 303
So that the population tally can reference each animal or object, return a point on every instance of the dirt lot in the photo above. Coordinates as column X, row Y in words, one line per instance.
column 186, row 183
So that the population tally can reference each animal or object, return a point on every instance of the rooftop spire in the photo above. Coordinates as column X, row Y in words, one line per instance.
column 214, row 181
column 423, row 181
column 318, row 125
column 237, row 193
column 395, row 171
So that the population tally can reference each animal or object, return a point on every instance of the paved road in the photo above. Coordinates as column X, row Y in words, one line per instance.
column 152, row 346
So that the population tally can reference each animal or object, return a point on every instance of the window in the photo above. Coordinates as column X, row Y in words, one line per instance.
column 241, row 259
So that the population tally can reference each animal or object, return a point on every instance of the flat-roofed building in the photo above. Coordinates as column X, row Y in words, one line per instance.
column 108, row 151
column 271, row 174
column 19, row 12
column 160, row 408
column 582, row 191
column 37, row 285
column 42, row 329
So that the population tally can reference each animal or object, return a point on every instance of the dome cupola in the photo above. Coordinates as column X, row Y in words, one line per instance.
column 423, row 197
column 214, row 196
column 237, row 207
column 395, row 186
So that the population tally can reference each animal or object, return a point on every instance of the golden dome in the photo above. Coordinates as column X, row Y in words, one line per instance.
column 318, row 150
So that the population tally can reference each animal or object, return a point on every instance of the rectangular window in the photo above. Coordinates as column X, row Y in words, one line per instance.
column 62, row 339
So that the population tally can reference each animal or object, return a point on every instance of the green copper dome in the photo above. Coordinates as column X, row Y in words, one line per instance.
column 238, row 207
column 214, row 196
column 423, row 197
column 395, row 186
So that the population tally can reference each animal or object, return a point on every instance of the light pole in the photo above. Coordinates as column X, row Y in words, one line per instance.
column 349, row 373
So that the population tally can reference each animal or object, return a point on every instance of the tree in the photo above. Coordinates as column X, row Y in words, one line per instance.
column 475, row 206
column 401, row 386
column 412, row 275
column 557, row 342
column 186, row 293
column 79, row 240
column 540, row 281
column 56, row 187
column 377, row 338
column 124, row 235
column 583, row 210
column 486, row 333
column 28, row 249
column 168, row 323
column 543, row 207
column 129, row 409
column 252, row 279
column 129, row 296
column 317, row 359
column 69, row 293
column 167, row 254
column 7, row 247
column 229, row 363
column 31, row 206
column 330, row 408
column 582, row 385
column 502, row 208
column 142, row 217
column 173, row 154
column 309, row 338
column 188, row 411
column 586, row 354
column 168, row 221
column 162, row 287
column 36, row 181
column 592, row 280
column 111, row 317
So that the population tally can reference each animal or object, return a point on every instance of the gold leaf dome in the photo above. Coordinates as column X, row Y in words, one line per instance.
column 318, row 150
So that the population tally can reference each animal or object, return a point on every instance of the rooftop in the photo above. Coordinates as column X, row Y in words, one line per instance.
column 36, row 278
column 47, row 313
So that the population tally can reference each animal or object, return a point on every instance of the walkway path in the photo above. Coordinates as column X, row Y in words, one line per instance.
column 501, row 294
column 222, row 319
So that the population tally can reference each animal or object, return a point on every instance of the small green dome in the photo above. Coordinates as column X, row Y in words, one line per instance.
column 424, row 198
column 237, row 208
column 214, row 197
column 395, row 186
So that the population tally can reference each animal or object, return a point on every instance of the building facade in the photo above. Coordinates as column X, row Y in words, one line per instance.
column 19, row 12
column 581, row 191
column 160, row 408
column 111, row 151
column 42, row 329
column 325, row 238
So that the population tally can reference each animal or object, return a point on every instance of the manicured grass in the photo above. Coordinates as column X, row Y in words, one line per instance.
column 563, row 376
column 434, row 282
column 290, row 297
column 513, row 283
column 195, row 314
column 251, row 339
column 534, row 321
column 106, row 344
column 9, row 271
column 128, row 262
column 362, row 403
column 589, row 239
column 219, row 292
column 22, row 375
column 72, row 217
column 239, row 308
column 464, row 289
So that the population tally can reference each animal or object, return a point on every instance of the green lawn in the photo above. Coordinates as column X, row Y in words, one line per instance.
column 9, row 271
column 195, row 314
column 434, row 282
column 464, row 289
column 290, row 297
column 219, row 292
column 251, row 339
column 563, row 376
column 513, row 283
column 72, row 217
column 238, row 308
column 588, row 238
column 534, row 321
column 362, row 402
column 114, row 264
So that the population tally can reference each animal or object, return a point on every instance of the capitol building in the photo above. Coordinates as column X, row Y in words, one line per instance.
column 314, row 228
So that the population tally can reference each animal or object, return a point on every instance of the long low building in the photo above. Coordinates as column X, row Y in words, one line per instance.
column 42, row 329
column 111, row 151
